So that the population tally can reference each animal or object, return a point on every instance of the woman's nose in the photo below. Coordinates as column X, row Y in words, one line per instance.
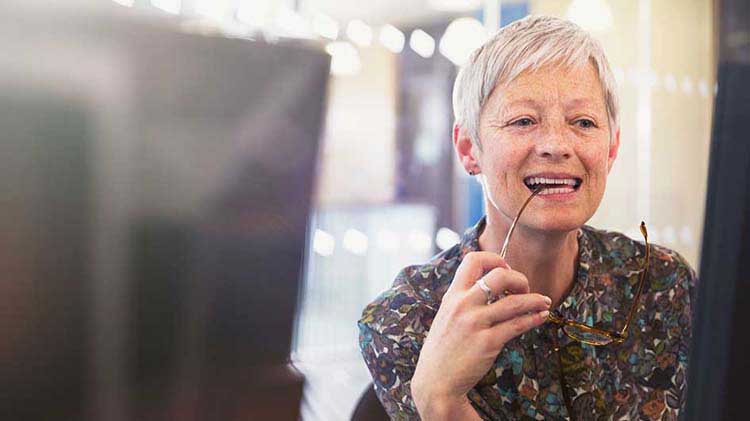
column 553, row 145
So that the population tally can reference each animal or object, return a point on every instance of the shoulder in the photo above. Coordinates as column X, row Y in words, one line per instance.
column 414, row 297
column 394, row 325
column 617, row 253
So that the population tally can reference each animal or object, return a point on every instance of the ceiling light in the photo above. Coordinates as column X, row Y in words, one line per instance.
column 325, row 26
column 422, row 43
column 392, row 38
column 344, row 58
column 446, row 238
column 461, row 37
column 687, row 85
column 355, row 241
column 323, row 243
column 359, row 32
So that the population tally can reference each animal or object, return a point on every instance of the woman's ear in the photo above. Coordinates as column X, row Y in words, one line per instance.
column 466, row 150
column 614, row 147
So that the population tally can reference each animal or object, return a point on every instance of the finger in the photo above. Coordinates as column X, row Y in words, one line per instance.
column 504, row 332
column 500, row 280
column 473, row 266
column 514, row 306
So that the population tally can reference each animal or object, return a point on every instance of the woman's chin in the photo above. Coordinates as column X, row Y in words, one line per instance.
column 555, row 223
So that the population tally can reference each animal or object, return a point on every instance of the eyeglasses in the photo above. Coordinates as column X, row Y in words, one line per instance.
column 576, row 330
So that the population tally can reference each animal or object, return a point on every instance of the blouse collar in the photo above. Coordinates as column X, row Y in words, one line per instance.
column 470, row 242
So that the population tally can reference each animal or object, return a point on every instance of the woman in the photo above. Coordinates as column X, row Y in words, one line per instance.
column 475, row 335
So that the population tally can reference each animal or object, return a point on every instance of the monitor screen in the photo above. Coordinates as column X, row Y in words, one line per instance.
column 718, row 362
column 155, row 189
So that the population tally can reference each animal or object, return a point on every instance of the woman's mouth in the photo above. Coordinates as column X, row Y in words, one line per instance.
column 553, row 186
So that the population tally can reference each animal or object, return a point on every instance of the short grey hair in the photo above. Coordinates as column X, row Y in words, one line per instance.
column 527, row 45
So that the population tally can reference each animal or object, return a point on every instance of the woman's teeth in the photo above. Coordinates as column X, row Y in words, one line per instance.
column 539, row 180
column 553, row 185
column 557, row 190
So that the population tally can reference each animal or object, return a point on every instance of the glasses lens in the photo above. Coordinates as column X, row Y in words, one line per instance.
column 588, row 336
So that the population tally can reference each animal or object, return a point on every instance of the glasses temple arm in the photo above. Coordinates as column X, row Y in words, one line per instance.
column 641, row 282
column 504, row 249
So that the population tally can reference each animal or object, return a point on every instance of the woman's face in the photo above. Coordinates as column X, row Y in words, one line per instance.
column 547, row 126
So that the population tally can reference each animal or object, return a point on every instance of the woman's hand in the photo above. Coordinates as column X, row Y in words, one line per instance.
column 467, row 334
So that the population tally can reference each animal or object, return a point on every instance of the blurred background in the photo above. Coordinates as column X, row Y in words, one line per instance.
column 386, row 190
column 390, row 193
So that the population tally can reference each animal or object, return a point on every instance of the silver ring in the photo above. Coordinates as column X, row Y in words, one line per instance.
column 483, row 286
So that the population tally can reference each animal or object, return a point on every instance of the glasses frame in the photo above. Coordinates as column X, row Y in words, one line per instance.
column 612, row 336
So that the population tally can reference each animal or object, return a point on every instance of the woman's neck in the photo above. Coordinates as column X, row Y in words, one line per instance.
column 548, row 259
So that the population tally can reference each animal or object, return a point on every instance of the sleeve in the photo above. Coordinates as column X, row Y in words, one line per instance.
column 391, row 367
column 686, row 290
column 392, row 330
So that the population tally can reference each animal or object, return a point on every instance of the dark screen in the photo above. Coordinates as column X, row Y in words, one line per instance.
column 719, row 365
column 155, row 190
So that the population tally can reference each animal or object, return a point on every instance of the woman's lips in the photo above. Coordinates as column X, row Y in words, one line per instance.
column 557, row 187
column 560, row 185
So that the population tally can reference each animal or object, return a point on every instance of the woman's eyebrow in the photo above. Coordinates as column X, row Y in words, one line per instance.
column 579, row 102
column 522, row 102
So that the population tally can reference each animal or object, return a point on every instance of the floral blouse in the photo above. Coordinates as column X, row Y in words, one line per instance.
column 643, row 378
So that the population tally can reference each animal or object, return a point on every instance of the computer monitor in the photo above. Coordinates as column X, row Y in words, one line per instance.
column 719, row 366
column 155, row 187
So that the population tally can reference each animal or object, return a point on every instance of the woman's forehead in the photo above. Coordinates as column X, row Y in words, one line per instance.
column 571, row 86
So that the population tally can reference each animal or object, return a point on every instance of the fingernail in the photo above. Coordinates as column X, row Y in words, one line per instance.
column 548, row 300
column 544, row 314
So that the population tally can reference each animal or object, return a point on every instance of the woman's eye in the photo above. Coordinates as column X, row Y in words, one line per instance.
column 523, row 122
column 585, row 123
